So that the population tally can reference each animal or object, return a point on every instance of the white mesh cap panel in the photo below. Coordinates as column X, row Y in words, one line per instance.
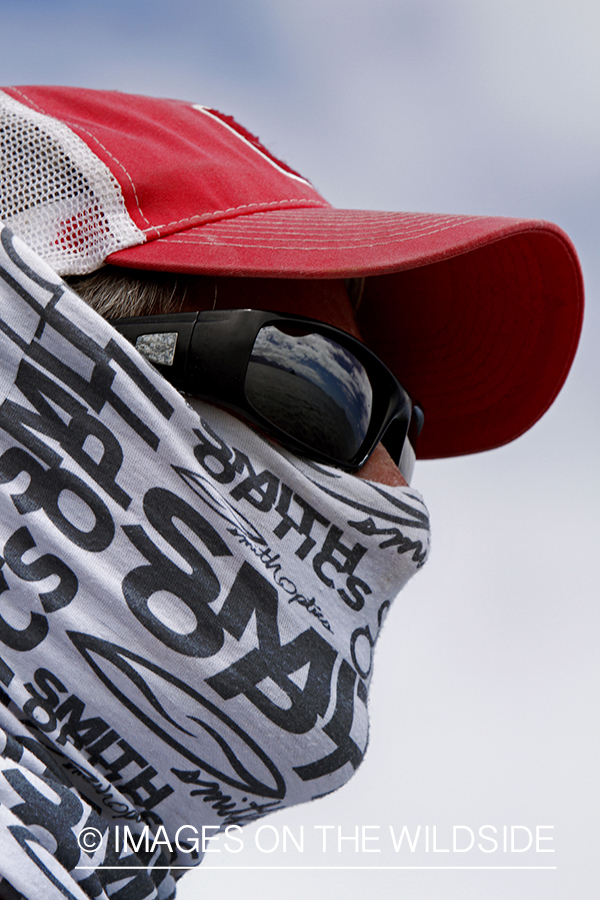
column 56, row 194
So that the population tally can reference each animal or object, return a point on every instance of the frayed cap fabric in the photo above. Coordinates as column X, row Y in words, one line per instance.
column 479, row 317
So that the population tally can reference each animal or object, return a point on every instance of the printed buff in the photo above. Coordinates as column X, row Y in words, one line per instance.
column 187, row 611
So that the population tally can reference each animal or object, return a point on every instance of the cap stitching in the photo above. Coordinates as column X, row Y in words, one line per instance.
column 410, row 233
column 76, row 127
column 423, row 220
column 349, row 245
column 33, row 103
column 233, row 209
column 100, row 144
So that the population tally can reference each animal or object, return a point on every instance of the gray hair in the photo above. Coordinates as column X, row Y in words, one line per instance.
column 115, row 292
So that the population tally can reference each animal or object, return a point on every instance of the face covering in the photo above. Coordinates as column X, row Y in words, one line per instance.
column 188, row 612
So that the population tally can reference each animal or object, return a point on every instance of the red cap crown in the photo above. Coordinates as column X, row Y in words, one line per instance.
column 479, row 317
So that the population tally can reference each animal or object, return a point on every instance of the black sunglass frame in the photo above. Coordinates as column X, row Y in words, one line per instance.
column 210, row 360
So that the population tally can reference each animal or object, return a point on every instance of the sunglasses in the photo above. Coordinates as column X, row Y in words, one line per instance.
column 314, row 388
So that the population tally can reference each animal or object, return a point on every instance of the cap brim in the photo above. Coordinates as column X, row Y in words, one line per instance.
column 479, row 317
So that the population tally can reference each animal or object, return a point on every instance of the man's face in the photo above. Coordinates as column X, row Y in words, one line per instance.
column 325, row 300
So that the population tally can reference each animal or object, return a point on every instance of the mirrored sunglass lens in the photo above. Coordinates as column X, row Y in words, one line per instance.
column 312, row 388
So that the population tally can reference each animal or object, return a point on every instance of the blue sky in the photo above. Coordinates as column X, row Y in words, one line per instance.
column 485, row 687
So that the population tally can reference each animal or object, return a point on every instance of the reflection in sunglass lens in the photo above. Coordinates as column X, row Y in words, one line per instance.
column 312, row 388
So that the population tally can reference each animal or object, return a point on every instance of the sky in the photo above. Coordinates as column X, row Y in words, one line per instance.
column 485, row 691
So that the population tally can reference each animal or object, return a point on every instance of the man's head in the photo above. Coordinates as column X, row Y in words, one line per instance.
column 117, row 293
column 220, row 597
column 477, row 317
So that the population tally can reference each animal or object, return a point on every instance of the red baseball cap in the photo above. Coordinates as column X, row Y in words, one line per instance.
column 479, row 317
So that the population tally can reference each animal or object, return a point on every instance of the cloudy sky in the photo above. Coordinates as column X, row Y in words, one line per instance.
column 485, row 694
column 327, row 365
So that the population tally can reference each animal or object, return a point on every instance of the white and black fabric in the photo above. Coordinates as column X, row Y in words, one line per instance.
column 187, row 612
